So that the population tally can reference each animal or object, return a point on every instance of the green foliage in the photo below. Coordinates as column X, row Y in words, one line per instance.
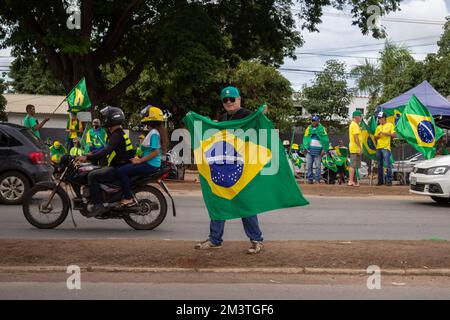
column 31, row 75
column 397, row 72
column 178, row 39
column 3, row 115
column 258, row 83
column 329, row 96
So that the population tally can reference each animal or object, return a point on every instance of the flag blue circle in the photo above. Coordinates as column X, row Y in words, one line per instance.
column 225, row 163
column 425, row 130
column 397, row 118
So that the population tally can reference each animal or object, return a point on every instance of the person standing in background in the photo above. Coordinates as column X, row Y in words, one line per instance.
column 355, row 148
column 74, row 129
column 31, row 122
column 316, row 144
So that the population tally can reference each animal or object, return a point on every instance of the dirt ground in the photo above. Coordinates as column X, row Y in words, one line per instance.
column 181, row 254
column 317, row 190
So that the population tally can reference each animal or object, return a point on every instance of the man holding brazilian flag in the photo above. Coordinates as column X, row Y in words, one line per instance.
column 243, row 169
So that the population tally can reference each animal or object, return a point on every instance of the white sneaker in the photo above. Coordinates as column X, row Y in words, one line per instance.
column 256, row 247
column 207, row 244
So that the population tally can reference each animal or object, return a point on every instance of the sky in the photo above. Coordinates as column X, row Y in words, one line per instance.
column 337, row 32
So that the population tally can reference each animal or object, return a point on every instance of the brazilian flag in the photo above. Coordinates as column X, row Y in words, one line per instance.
column 78, row 98
column 242, row 165
column 394, row 114
column 417, row 127
column 329, row 162
column 373, row 124
column 368, row 141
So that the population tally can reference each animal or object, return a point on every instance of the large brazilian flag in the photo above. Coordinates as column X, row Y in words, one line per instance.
column 242, row 165
column 417, row 127
column 369, row 145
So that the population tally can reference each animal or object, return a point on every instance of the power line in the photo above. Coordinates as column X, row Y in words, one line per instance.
column 371, row 45
column 321, row 71
column 399, row 20
column 333, row 55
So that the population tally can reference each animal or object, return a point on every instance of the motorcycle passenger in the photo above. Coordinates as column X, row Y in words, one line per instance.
column 118, row 152
column 154, row 143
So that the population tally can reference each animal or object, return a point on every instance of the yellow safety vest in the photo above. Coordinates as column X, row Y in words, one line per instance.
column 129, row 147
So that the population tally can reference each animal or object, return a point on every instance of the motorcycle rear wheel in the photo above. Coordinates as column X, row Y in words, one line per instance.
column 152, row 205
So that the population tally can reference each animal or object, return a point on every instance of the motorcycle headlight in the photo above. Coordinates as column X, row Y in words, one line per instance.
column 438, row 171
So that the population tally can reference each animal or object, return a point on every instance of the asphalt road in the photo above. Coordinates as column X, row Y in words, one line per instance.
column 369, row 218
column 406, row 289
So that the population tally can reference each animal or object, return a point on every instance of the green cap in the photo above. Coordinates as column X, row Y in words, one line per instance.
column 357, row 113
column 230, row 92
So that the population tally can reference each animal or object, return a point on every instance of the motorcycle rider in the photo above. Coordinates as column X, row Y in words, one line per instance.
column 118, row 151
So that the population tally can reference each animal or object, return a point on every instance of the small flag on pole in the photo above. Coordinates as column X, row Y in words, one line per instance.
column 78, row 98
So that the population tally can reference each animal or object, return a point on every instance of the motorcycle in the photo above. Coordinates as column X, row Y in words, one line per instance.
column 47, row 204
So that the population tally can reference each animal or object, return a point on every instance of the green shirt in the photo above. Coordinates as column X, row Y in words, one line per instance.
column 31, row 122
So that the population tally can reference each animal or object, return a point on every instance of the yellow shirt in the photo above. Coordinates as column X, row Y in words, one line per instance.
column 354, row 130
column 384, row 142
column 73, row 128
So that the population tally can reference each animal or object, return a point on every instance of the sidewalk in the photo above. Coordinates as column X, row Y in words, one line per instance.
column 286, row 257
column 315, row 189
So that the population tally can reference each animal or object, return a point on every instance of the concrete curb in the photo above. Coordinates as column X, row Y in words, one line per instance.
column 307, row 271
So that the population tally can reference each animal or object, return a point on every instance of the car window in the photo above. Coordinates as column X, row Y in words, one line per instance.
column 30, row 136
column 3, row 140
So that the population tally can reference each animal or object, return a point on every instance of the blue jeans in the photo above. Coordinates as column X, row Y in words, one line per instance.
column 127, row 171
column 251, row 227
column 384, row 159
column 316, row 161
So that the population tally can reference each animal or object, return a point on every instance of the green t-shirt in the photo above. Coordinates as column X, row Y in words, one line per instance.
column 31, row 122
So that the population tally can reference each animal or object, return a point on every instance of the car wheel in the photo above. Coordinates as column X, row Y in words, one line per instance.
column 441, row 200
column 13, row 187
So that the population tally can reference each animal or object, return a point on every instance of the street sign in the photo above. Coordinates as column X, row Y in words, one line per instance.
column 84, row 116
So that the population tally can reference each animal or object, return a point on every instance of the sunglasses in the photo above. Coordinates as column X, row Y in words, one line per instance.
column 226, row 100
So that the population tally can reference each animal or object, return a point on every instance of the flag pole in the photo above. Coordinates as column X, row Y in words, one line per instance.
column 58, row 106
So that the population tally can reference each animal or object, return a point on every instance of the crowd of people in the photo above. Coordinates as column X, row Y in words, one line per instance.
column 78, row 142
column 341, row 162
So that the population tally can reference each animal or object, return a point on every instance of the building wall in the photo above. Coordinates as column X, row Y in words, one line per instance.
column 57, row 121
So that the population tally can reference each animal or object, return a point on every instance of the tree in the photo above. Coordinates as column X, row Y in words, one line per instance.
column 395, row 73
column 3, row 115
column 31, row 75
column 368, row 80
column 160, row 35
column 257, row 82
column 436, row 68
column 329, row 96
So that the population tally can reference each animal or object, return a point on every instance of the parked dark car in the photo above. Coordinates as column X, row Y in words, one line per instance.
column 24, row 161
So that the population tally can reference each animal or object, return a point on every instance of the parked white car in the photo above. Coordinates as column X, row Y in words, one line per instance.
column 432, row 178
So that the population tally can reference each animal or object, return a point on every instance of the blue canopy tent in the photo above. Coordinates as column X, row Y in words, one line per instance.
column 438, row 106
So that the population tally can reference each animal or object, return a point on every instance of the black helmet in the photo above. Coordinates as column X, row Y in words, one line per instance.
column 112, row 116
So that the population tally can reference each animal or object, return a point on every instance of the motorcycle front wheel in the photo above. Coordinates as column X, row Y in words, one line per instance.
column 41, row 215
column 152, row 209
